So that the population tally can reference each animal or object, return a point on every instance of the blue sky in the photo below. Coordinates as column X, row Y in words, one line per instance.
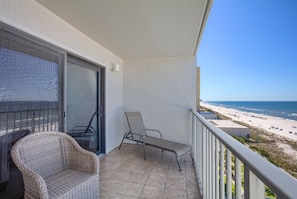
column 249, row 51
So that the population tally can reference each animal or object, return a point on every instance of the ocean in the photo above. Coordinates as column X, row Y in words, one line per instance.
column 283, row 109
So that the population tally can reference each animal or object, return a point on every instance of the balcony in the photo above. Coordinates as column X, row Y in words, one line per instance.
column 124, row 173
column 155, row 46
column 216, row 156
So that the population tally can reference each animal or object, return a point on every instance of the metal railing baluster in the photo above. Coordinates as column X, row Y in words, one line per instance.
column 222, row 170
column 34, row 120
column 228, row 174
column 237, row 178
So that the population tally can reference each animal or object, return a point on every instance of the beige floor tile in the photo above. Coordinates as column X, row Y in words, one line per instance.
column 175, row 173
column 176, row 183
column 128, row 165
column 106, row 173
column 119, row 196
column 163, row 173
column 112, row 186
column 189, row 165
column 156, row 180
column 193, row 195
column 151, row 192
column 161, row 165
column 143, row 168
column 175, row 194
column 192, row 185
column 131, row 189
column 174, row 165
column 121, row 175
column 126, row 168
column 159, row 169
column 139, row 178
column 107, row 195
column 110, row 163
column 191, row 175
column 102, row 180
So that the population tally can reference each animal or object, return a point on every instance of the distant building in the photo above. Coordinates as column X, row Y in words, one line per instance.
column 208, row 115
column 232, row 128
column 198, row 88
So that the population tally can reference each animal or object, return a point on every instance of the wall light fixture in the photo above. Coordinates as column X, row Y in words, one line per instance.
column 115, row 67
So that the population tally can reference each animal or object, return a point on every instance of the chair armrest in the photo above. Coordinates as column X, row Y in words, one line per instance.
column 153, row 130
column 132, row 137
column 32, row 178
column 83, row 160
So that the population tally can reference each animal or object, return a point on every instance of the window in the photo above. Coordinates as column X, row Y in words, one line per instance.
column 31, row 82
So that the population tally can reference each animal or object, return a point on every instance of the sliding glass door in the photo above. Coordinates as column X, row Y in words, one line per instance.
column 84, row 116
column 34, row 82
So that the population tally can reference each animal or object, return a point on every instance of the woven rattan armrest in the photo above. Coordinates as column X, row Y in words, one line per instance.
column 32, row 178
column 83, row 160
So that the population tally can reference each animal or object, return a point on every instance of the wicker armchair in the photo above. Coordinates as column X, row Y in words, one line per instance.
column 53, row 165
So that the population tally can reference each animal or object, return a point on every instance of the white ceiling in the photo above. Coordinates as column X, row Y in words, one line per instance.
column 137, row 28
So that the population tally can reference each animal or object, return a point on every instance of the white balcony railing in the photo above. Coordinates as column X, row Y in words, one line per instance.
column 228, row 169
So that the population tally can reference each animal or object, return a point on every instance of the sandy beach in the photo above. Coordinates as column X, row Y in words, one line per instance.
column 279, row 126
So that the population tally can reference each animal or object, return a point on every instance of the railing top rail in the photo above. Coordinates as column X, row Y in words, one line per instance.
column 282, row 184
column 29, row 110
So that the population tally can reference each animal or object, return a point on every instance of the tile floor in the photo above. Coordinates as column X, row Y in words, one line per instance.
column 125, row 174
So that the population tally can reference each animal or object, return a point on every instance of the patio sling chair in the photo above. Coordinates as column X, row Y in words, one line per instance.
column 138, row 133
column 83, row 131
column 53, row 165
column 85, row 136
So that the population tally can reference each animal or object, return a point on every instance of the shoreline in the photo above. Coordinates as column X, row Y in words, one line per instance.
column 276, row 125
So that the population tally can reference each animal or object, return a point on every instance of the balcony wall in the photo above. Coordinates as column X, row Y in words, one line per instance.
column 162, row 89
column 31, row 17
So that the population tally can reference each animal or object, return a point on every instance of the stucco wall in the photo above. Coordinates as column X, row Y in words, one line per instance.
column 163, row 90
column 31, row 17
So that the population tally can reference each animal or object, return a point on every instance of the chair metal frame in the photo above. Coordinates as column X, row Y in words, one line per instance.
column 143, row 138
column 83, row 131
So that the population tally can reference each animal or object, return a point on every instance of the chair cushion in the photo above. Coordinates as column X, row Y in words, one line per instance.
column 72, row 184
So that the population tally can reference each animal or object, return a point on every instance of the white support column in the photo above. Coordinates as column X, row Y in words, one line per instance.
column 200, row 150
column 194, row 139
column 208, row 168
column 257, row 188
column 199, row 153
column 213, row 165
column 204, row 163
column 229, row 175
column 222, row 171
column 246, row 182
column 217, row 163
column 238, row 178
